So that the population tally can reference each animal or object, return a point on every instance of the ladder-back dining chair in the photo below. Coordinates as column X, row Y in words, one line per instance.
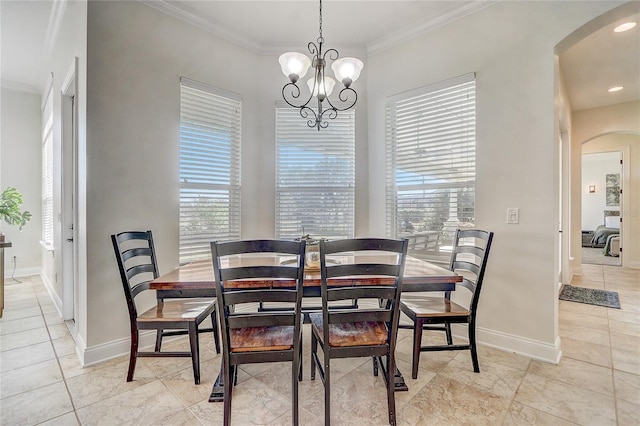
column 250, row 336
column 136, row 257
column 468, row 258
column 370, row 270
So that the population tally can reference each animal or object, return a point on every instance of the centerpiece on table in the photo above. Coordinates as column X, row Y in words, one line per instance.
column 312, row 251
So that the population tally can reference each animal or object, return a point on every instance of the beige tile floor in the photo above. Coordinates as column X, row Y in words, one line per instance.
column 596, row 383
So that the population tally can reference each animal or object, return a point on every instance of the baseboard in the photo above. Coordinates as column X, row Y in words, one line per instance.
column 57, row 302
column 535, row 349
column 22, row 272
column 633, row 265
column 106, row 351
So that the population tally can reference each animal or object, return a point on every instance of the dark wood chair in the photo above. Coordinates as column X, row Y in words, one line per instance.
column 249, row 336
column 136, row 257
column 368, row 330
column 469, row 258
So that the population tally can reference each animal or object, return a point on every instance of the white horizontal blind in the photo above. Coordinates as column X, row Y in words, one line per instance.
column 210, row 134
column 315, row 176
column 47, row 172
column 431, row 147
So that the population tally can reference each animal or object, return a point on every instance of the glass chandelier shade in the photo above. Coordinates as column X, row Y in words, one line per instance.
column 295, row 65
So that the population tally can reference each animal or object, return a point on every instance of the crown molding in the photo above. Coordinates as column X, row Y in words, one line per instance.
column 190, row 18
column 19, row 87
column 399, row 37
column 386, row 42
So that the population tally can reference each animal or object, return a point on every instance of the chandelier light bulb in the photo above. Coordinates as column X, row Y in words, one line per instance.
column 323, row 88
column 615, row 89
column 294, row 65
column 347, row 70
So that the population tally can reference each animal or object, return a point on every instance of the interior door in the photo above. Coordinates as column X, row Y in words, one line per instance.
column 69, row 198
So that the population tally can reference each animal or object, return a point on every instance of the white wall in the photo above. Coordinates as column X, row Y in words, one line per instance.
column 510, row 46
column 594, row 168
column 20, row 167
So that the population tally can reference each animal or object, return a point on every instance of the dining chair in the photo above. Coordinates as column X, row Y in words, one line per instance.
column 136, row 257
column 369, row 270
column 250, row 336
column 468, row 258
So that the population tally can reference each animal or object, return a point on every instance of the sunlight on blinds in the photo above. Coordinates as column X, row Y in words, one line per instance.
column 210, row 134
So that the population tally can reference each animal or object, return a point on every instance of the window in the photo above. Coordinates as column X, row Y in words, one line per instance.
column 315, row 176
column 47, row 172
column 430, row 136
column 210, row 124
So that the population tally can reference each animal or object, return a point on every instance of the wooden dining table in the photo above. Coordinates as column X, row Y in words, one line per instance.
column 196, row 280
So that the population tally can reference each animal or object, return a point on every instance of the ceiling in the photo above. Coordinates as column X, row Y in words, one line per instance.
column 590, row 67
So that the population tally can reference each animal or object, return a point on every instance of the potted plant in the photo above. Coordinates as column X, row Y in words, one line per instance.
column 10, row 202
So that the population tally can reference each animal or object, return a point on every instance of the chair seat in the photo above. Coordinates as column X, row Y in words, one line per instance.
column 424, row 306
column 352, row 333
column 256, row 339
column 179, row 310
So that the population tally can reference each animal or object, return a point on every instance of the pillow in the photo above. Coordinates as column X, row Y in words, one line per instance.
column 612, row 222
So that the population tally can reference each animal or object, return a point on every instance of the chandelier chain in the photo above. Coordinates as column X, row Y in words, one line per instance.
column 320, row 20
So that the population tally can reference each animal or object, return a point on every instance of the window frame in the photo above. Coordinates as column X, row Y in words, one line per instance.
column 336, row 145
column 436, row 122
column 210, row 138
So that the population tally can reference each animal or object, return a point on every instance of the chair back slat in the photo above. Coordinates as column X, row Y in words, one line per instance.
column 362, row 269
column 361, row 292
column 259, row 319
column 261, row 271
column 361, row 315
column 264, row 295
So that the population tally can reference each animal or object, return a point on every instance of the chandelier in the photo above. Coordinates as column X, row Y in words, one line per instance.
column 295, row 66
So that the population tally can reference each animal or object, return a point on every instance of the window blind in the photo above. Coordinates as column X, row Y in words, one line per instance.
column 210, row 134
column 47, row 172
column 315, row 176
column 430, row 173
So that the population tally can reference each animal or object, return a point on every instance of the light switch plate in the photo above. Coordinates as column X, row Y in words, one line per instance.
column 513, row 215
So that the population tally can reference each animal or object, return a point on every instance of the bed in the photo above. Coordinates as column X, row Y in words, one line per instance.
column 610, row 228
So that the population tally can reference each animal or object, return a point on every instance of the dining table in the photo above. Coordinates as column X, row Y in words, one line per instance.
column 196, row 279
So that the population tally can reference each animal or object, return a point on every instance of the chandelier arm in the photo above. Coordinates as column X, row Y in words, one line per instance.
column 343, row 96
column 295, row 93
column 313, row 48
column 332, row 53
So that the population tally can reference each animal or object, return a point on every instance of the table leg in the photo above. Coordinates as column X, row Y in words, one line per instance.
column 398, row 378
column 217, row 393
column 400, row 385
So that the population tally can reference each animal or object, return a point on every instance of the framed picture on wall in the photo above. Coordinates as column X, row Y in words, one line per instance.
column 613, row 189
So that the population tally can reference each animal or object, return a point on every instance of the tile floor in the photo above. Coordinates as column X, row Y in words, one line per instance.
column 597, row 382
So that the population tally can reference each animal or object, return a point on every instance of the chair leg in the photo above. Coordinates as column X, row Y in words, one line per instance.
column 158, row 340
column 300, row 359
column 295, row 377
column 133, row 355
column 375, row 365
column 314, row 352
column 195, row 352
column 228, row 390
column 447, row 327
column 417, row 341
column 327, row 387
column 472, row 346
column 391, row 398
column 214, row 326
